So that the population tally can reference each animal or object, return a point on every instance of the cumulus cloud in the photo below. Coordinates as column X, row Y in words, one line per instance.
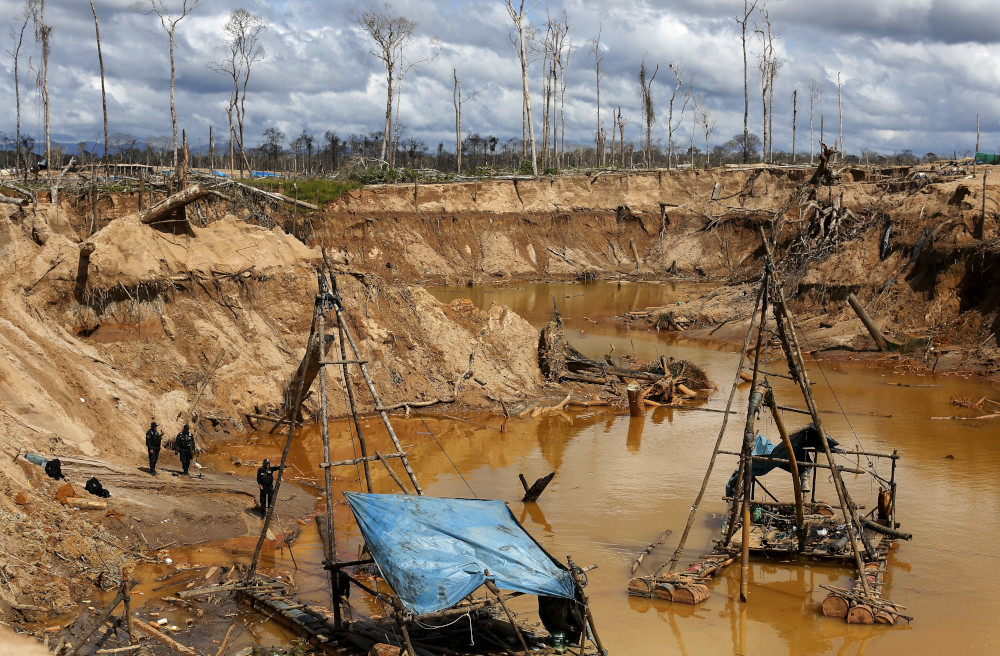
column 914, row 72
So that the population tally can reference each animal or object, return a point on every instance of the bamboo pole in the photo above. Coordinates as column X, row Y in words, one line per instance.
column 749, row 435
column 715, row 451
column 800, row 526
column 127, row 609
column 329, row 544
column 392, row 474
column 586, row 604
column 491, row 586
column 790, row 342
column 346, row 374
column 342, row 322
column 252, row 570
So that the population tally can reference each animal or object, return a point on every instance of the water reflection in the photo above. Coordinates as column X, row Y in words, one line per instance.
column 619, row 482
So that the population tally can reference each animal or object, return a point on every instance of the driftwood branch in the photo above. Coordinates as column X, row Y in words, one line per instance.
column 21, row 202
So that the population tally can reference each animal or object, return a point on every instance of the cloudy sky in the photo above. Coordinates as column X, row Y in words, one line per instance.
column 914, row 72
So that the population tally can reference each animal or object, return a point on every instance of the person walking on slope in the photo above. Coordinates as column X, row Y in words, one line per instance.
column 185, row 447
column 154, row 438
column 265, row 481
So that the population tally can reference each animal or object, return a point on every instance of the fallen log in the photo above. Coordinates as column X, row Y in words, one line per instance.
column 21, row 202
column 86, row 504
column 162, row 637
column 551, row 408
column 880, row 340
column 164, row 209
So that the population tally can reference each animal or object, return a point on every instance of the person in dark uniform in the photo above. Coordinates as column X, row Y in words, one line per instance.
column 154, row 438
column 185, row 447
column 265, row 481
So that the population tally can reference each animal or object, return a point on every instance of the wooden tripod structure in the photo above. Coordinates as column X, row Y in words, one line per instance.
column 862, row 541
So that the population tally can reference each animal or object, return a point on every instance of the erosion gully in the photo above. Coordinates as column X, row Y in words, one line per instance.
column 620, row 482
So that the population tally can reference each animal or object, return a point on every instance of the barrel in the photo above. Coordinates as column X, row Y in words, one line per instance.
column 690, row 593
column 639, row 587
column 835, row 606
column 883, row 616
column 663, row 591
column 861, row 614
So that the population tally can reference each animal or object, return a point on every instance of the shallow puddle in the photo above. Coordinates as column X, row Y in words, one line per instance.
column 620, row 482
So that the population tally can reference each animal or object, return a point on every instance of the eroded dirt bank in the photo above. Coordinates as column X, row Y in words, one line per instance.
column 92, row 351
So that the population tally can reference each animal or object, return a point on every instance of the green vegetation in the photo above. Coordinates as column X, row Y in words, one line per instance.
column 309, row 189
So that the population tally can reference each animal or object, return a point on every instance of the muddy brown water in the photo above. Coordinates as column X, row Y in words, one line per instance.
column 620, row 482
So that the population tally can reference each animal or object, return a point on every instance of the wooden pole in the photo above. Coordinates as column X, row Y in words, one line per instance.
column 880, row 341
column 346, row 373
column 790, row 342
column 586, row 604
column 980, row 229
column 388, row 468
column 749, row 436
column 800, row 524
column 225, row 640
column 491, row 586
column 252, row 570
column 342, row 322
column 101, row 619
column 636, row 406
column 162, row 637
column 127, row 598
column 718, row 441
column 329, row 544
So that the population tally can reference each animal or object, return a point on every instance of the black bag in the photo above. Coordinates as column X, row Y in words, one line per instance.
column 54, row 469
column 94, row 487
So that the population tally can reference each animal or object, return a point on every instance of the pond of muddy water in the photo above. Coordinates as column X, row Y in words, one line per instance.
column 620, row 482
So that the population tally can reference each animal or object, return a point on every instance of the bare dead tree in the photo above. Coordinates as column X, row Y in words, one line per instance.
column 15, row 55
column 43, row 36
column 768, row 64
column 815, row 95
column 599, row 138
column 405, row 67
column 562, row 55
column 648, row 111
column 241, row 37
column 620, row 121
column 678, row 72
column 169, row 24
column 391, row 34
column 707, row 123
column 457, row 99
column 748, row 9
column 104, row 98
column 795, row 114
column 518, row 17
column 840, row 106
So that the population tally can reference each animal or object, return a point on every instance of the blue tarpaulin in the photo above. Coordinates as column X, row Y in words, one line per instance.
column 433, row 551
column 807, row 436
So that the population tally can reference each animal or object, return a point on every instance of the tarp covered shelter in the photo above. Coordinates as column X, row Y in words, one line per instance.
column 434, row 551
column 807, row 436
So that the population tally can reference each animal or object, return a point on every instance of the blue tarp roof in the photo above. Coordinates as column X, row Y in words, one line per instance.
column 433, row 551
column 807, row 436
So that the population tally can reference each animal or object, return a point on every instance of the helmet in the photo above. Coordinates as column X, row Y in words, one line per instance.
column 152, row 424
column 267, row 463
column 186, row 428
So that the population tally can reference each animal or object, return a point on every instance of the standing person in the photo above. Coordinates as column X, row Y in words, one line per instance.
column 265, row 481
column 185, row 447
column 154, row 438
